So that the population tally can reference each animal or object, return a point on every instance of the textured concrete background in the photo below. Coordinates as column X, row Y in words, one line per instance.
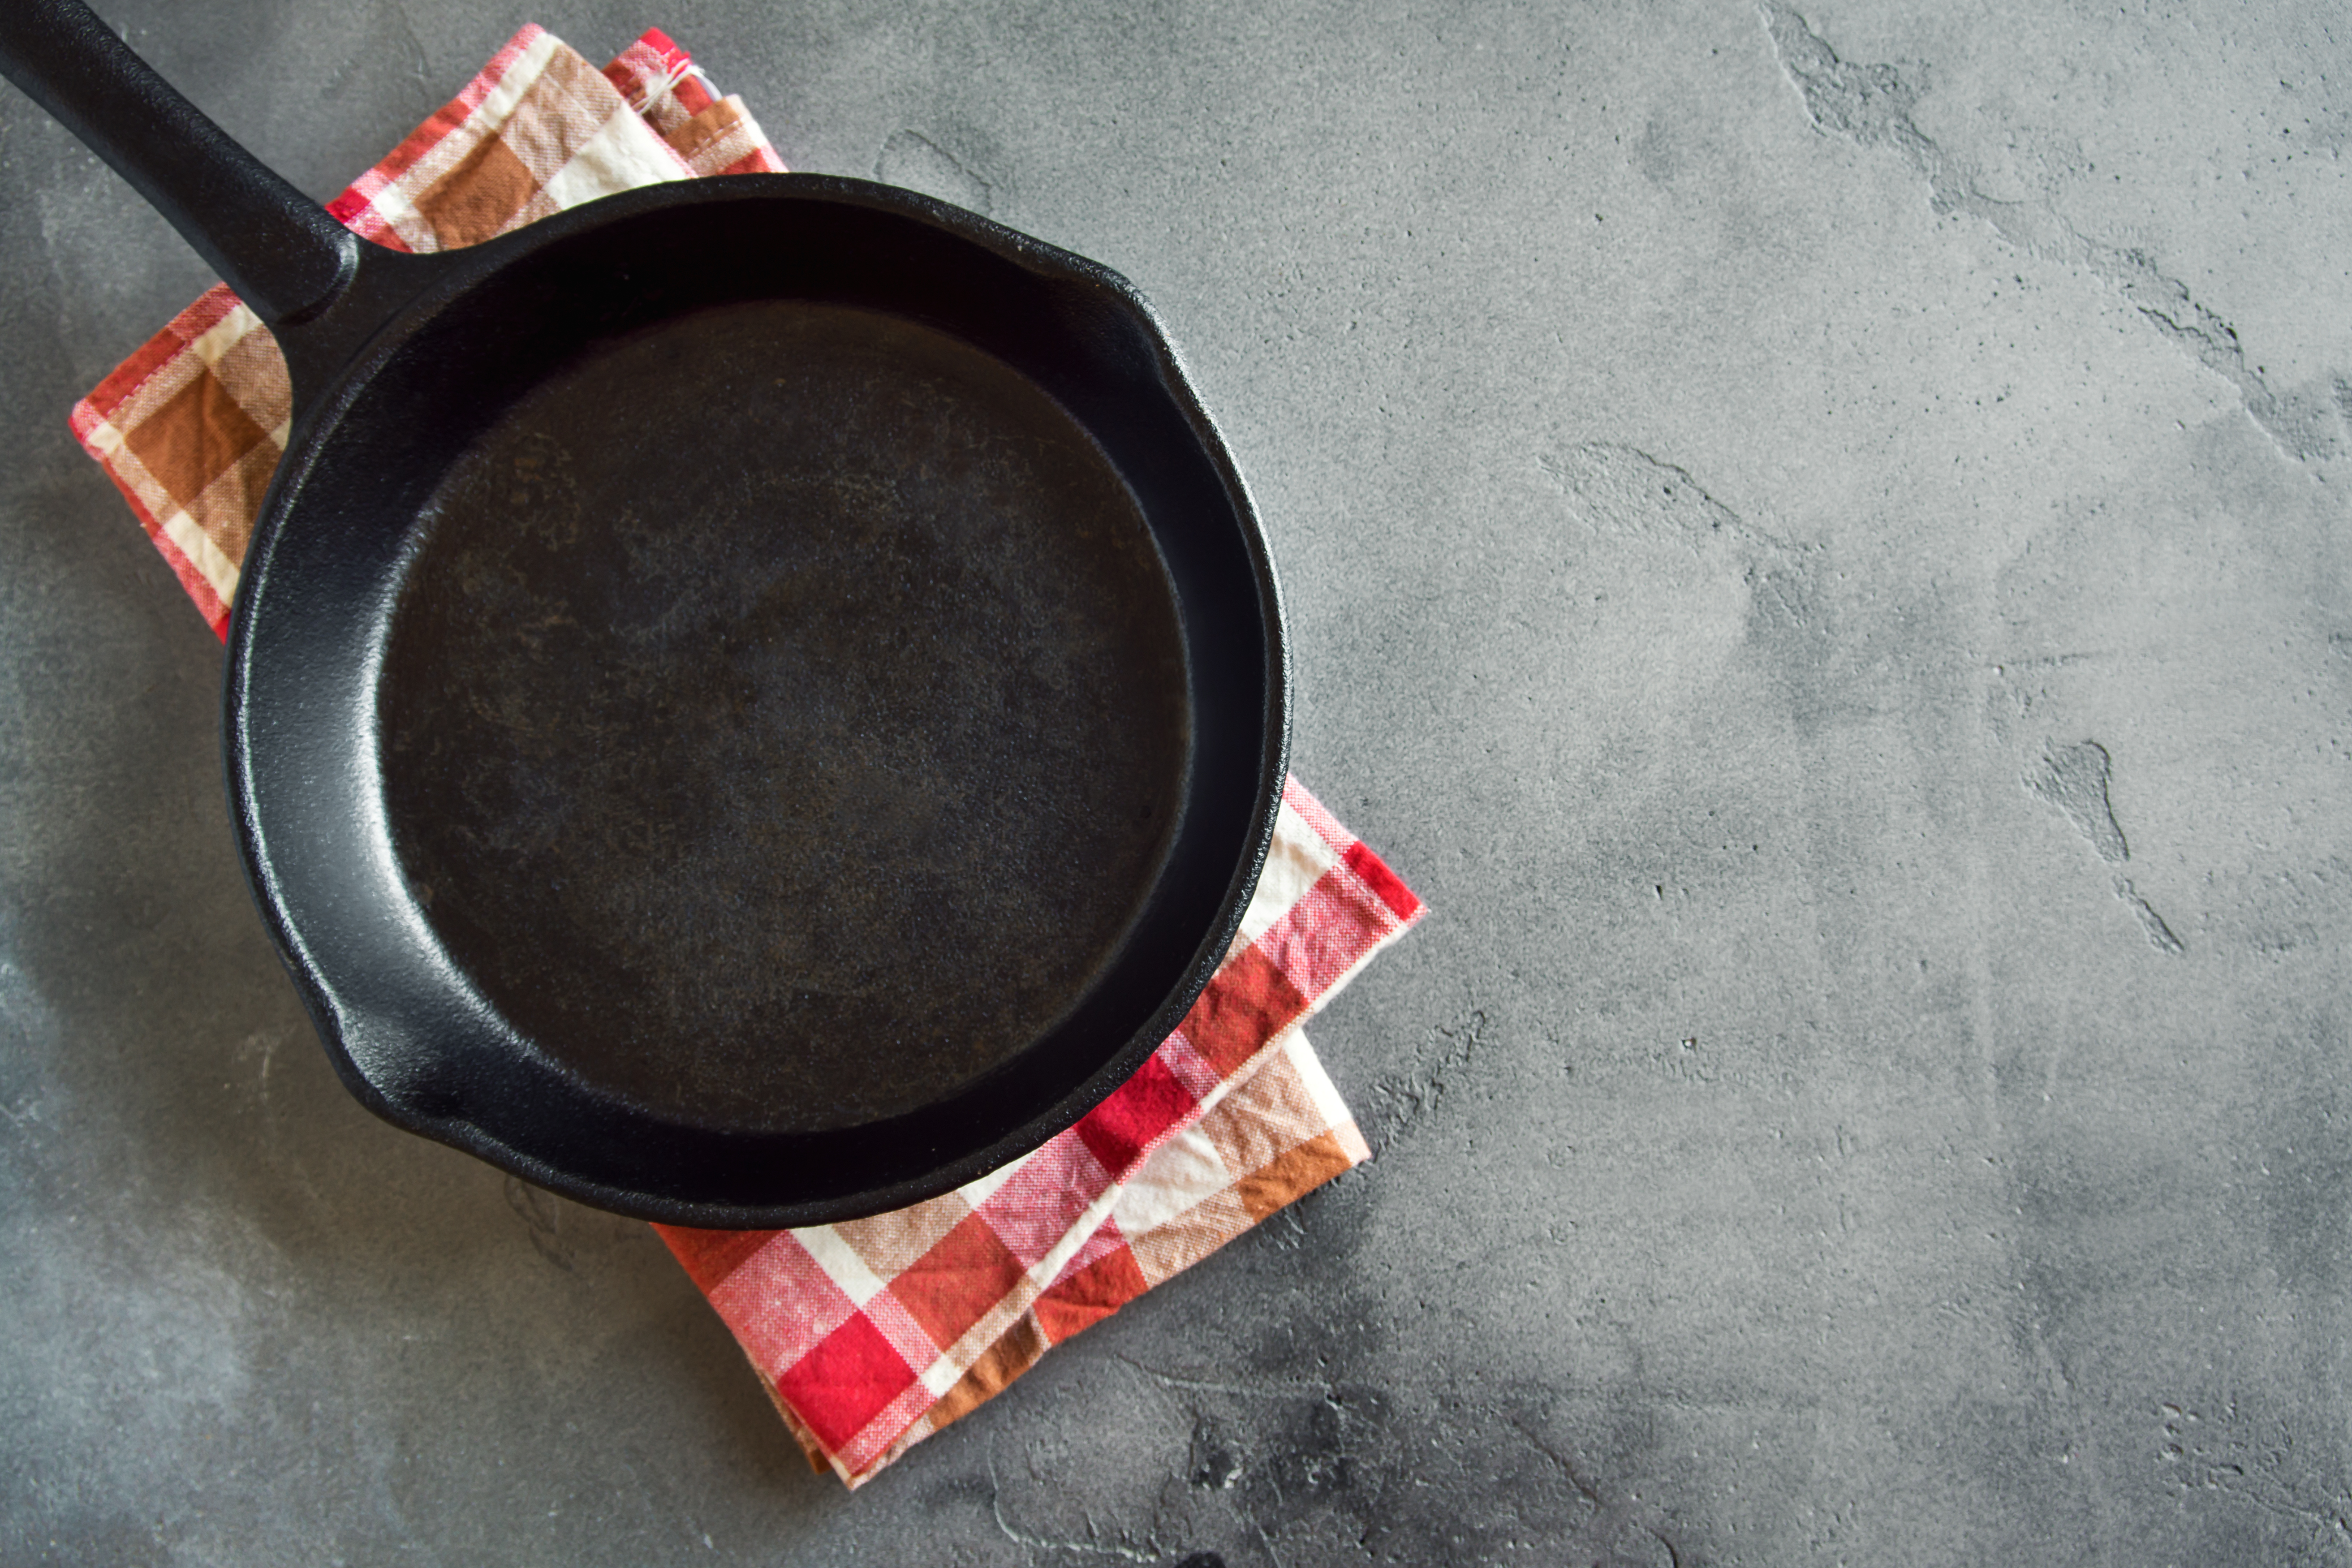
column 1816, row 539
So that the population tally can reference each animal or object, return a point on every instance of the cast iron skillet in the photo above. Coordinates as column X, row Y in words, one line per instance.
column 751, row 702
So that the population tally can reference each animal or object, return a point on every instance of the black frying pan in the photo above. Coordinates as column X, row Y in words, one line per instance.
column 751, row 702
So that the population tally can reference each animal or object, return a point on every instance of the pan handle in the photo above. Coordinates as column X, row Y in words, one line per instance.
column 274, row 246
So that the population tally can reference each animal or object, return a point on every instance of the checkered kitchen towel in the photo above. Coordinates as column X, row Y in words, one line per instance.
column 191, row 426
column 873, row 1334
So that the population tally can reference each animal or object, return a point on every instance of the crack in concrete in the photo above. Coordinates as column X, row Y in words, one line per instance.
column 1616, row 488
column 1152, row 1551
column 1320, row 1389
column 2151, row 924
column 2074, row 780
column 1871, row 106
column 541, row 1214
column 913, row 160
column 1610, row 1520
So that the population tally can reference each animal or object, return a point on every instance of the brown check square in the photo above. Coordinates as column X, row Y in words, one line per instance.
column 952, row 1286
column 194, row 438
column 474, row 200
column 891, row 1243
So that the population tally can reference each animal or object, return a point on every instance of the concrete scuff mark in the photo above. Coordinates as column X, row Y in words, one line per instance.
column 1754, row 584
column 382, row 46
column 1303, row 1470
column 1625, row 1532
column 914, row 160
column 260, row 1046
column 1622, row 491
column 27, row 1037
column 2261, row 1470
column 1400, row 1104
column 2074, row 780
column 1873, row 105
column 542, row 1213
column 562, row 1232
column 1117, row 1550
column 1683, row 1062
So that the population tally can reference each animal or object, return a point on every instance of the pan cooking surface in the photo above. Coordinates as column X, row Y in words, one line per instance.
column 783, row 750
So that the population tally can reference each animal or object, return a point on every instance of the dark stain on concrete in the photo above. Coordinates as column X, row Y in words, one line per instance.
column 1331, row 1471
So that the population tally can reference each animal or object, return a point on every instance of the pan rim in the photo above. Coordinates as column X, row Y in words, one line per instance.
column 327, row 393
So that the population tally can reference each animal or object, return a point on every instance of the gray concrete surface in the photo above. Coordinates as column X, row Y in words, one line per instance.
column 1816, row 537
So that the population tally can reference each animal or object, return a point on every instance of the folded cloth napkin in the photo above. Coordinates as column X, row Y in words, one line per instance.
column 870, row 1335
column 191, row 426
column 873, row 1334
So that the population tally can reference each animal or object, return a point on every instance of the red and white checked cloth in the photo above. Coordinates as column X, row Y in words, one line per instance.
column 873, row 1334
column 191, row 426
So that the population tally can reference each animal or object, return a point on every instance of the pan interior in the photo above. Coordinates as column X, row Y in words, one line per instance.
column 786, row 751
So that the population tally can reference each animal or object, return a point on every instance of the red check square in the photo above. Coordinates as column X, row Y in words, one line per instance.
column 1249, row 1003
column 1122, row 1127
column 845, row 1381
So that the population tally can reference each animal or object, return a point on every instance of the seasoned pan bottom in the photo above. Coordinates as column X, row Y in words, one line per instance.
column 786, row 751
